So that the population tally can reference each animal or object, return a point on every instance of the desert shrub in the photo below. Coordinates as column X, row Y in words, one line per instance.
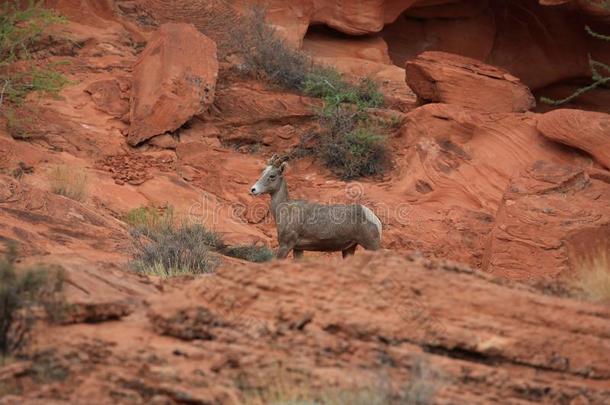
column 149, row 219
column 166, row 247
column 351, row 144
column 69, row 182
column 592, row 276
column 47, row 367
column 328, row 84
column 251, row 253
column 423, row 385
column 21, row 170
column 18, row 124
column 22, row 290
column 45, row 81
column 21, row 27
column 171, row 250
column 268, row 55
column 358, row 153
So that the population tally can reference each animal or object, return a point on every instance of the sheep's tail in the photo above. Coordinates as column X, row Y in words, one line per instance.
column 372, row 218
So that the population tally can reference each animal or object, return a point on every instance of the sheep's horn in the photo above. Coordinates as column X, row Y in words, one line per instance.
column 273, row 160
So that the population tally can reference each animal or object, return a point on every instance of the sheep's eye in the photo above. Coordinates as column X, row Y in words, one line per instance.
column 272, row 177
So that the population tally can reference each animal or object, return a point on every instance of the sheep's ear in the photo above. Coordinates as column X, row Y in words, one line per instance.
column 283, row 166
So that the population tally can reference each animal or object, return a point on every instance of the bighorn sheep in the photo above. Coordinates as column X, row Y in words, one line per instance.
column 303, row 225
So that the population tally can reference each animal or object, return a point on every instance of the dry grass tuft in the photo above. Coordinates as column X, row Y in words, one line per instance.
column 20, row 291
column 592, row 278
column 281, row 386
column 165, row 246
column 69, row 181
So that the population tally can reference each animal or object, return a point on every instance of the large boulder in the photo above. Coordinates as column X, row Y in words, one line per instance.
column 589, row 131
column 544, row 212
column 453, row 79
column 174, row 78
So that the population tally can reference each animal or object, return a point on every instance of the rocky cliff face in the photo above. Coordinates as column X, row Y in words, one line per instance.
column 156, row 116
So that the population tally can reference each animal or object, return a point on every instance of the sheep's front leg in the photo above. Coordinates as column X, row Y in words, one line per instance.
column 297, row 253
column 287, row 243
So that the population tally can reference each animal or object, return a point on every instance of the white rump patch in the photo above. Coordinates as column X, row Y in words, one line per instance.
column 371, row 217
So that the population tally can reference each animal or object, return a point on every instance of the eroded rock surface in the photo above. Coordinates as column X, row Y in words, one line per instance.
column 589, row 131
column 543, row 207
column 339, row 325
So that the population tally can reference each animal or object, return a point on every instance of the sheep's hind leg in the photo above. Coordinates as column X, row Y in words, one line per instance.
column 349, row 251
column 370, row 242
column 282, row 251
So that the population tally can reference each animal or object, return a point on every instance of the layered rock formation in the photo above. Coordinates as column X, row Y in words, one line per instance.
column 584, row 130
column 543, row 208
column 340, row 326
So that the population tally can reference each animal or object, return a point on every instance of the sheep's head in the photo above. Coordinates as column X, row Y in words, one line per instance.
column 271, row 178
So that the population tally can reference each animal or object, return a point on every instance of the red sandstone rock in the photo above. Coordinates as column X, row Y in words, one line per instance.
column 589, row 131
column 544, row 207
column 343, row 324
column 453, row 79
column 174, row 79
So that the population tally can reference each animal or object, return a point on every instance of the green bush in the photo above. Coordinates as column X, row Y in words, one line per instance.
column 349, row 144
column 149, row 219
column 164, row 247
column 46, row 81
column 322, row 82
column 358, row 153
column 251, row 253
column 22, row 290
column 328, row 84
column 20, row 122
column 21, row 27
